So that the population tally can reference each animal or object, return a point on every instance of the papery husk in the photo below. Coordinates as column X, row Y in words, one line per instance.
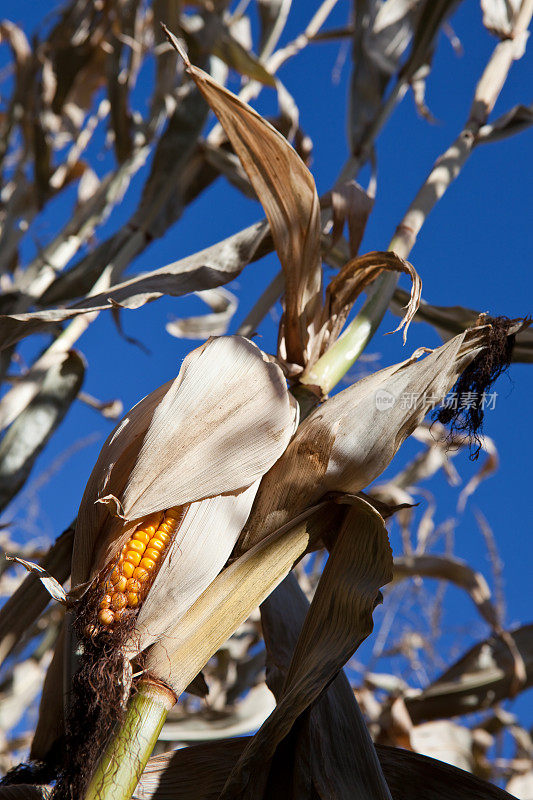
column 215, row 430
column 287, row 192
column 229, row 600
column 204, row 543
column 339, row 619
column 347, row 442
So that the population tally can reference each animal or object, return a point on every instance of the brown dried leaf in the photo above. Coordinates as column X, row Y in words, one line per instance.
column 457, row 572
column 345, row 288
column 484, row 676
column 287, row 192
column 199, row 772
column 451, row 320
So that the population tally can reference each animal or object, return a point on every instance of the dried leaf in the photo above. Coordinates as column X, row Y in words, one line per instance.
column 345, row 288
column 206, row 269
column 34, row 426
column 20, row 611
column 339, row 619
column 53, row 587
column 485, row 675
column 223, row 303
column 199, row 772
column 382, row 34
column 451, row 320
column 287, row 192
column 514, row 121
column 457, row 572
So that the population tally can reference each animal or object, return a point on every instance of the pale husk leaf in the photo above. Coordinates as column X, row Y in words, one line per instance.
column 347, row 442
column 222, row 424
column 216, row 429
column 203, row 545
column 287, row 192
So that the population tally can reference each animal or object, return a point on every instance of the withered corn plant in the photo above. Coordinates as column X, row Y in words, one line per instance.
column 236, row 504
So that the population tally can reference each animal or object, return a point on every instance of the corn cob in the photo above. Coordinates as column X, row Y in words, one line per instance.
column 127, row 585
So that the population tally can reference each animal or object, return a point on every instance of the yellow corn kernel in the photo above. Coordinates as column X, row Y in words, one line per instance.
column 106, row 617
column 157, row 544
column 133, row 585
column 120, row 585
column 136, row 545
column 133, row 599
column 141, row 574
column 148, row 564
column 141, row 536
column 128, row 569
column 133, row 557
column 152, row 553
column 105, row 602
column 166, row 527
column 118, row 601
column 115, row 575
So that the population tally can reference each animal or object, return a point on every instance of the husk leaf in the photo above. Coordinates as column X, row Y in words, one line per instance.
column 215, row 430
column 347, row 442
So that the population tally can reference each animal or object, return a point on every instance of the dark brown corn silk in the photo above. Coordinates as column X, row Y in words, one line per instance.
column 476, row 381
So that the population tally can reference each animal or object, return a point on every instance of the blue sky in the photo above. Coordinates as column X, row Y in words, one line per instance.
column 474, row 251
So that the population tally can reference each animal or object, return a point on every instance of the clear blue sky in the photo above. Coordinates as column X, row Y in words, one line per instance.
column 474, row 251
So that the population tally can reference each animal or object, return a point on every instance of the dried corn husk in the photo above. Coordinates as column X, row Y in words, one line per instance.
column 347, row 442
column 215, row 430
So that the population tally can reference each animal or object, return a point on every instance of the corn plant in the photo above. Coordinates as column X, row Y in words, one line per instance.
column 208, row 514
